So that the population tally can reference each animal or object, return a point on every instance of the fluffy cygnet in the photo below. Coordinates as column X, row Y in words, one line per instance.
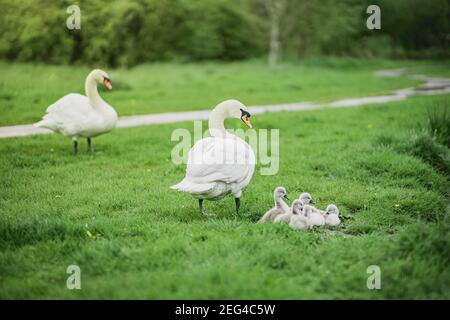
column 301, row 221
column 306, row 198
column 315, row 217
column 332, row 215
column 280, row 206
column 296, row 209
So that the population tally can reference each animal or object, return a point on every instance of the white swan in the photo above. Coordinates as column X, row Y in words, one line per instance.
column 280, row 206
column 221, row 164
column 296, row 209
column 332, row 215
column 75, row 115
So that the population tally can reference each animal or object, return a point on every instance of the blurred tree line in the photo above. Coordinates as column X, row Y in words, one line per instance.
column 125, row 33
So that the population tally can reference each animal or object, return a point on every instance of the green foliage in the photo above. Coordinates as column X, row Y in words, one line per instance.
column 438, row 123
column 221, row 29
column 322, row 27
column 34, row 31
column 418, row 28
column 126, row 33
column 427, row 148
column 409, row 28
column 428, row 141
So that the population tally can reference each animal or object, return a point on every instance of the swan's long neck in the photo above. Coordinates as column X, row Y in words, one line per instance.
column 216, row 121
column 92, row 92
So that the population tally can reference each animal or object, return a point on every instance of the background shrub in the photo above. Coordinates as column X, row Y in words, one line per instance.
column 125, row 33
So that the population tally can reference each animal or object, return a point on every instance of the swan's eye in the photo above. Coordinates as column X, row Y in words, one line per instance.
column 245, row 113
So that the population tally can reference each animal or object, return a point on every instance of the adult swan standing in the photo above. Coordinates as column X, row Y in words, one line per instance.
column 221, row 164
column 75, row 115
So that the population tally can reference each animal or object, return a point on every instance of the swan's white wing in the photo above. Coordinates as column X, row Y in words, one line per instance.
column 218, row 165
column 69, row 115
column 217, row 159
column 72, row 102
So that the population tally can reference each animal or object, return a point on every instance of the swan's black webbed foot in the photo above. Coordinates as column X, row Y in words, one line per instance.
column 238, row 204
column 89, row 145
column 200, row 205
column 75, row 147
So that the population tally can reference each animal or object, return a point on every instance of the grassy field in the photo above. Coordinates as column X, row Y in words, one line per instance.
column 26, row 90
column 114, row 215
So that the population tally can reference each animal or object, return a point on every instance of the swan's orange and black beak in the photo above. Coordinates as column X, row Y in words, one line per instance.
column 246, row 118
column 107, row 83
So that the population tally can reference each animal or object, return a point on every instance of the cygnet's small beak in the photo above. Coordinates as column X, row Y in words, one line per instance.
column 286, row 197
column 107, row 83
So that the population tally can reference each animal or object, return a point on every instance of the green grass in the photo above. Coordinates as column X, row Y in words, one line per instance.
column 150, row 242
column 26, row 90
column 431, row 68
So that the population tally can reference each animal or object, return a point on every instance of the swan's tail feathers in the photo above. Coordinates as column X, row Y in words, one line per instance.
column 191, row 187
column 44, row 123
column 41, row 124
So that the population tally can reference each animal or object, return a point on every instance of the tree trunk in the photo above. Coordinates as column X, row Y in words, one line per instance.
column 275, row 10
column 274, row 54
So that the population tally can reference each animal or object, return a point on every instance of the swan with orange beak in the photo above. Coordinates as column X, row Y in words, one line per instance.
column 75, row 115
column 221, row 164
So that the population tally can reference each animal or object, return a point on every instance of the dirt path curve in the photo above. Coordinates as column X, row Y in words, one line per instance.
column 431, row 86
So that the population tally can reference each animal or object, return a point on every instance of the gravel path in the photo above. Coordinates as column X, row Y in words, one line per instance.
column 431, row 86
